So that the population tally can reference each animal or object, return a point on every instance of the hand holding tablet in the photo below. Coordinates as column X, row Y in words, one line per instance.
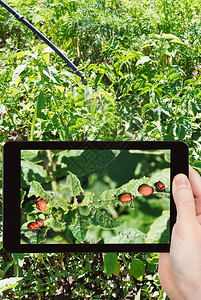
column 128, row 208
column 180, row 270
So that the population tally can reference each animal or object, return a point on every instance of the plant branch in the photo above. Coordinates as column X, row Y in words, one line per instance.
column 50, row 169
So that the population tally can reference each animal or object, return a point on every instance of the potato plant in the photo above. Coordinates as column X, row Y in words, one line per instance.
column 82, row 206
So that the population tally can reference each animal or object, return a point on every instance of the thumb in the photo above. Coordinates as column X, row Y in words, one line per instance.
column 184, row 200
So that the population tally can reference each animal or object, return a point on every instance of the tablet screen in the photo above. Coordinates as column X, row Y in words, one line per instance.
column 108, row 196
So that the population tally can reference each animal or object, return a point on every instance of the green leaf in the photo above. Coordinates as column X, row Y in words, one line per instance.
column 107, row 96
column 101, row 219
column 18, row 258
column 166, row 111
column 167, row 156
column 70, row 75
column 110, row 263
column 138, row 296
column 146, row 108
column 177, row 42
column 143, row 60
column 180, row 132
column 22, row 195
column 137, row 268
column 79, row 229
column 128, row 236
column 42, row 235
column 20, row 54
column 41, row 101
column 33, row 123
column 51, row 73
column 32, row 155
column 9, row 283
column 117, row 269
column 152, row 263
column 56, row 225
column 84, row 162
column 73, row 183
column 173, row 38
column 32, row 171
column 170, row 36
column 101, row 94
column 8, row 266
column 173, row 77
column 145, row 90
column 88, row 197
column 194, row 108
column 160, row 229
column 57, row 201
column 93, row 107
column 37, row 190
column 17, row 72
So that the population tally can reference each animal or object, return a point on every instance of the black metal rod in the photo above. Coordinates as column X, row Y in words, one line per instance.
column 42, row 37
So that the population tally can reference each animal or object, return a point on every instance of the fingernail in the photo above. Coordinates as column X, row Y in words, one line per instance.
column 181, row 181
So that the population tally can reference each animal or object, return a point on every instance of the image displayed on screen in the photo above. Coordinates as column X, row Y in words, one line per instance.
column 95, row 197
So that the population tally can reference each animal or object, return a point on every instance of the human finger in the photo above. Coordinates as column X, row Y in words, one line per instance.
column 195, row 181
column 184, row 199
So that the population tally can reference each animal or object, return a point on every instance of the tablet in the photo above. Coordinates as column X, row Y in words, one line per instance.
column 90, row 196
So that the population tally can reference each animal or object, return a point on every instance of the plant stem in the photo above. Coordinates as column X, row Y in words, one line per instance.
column 50, row 168
column 128, row 269
column 33, row 122
column 16, row 269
